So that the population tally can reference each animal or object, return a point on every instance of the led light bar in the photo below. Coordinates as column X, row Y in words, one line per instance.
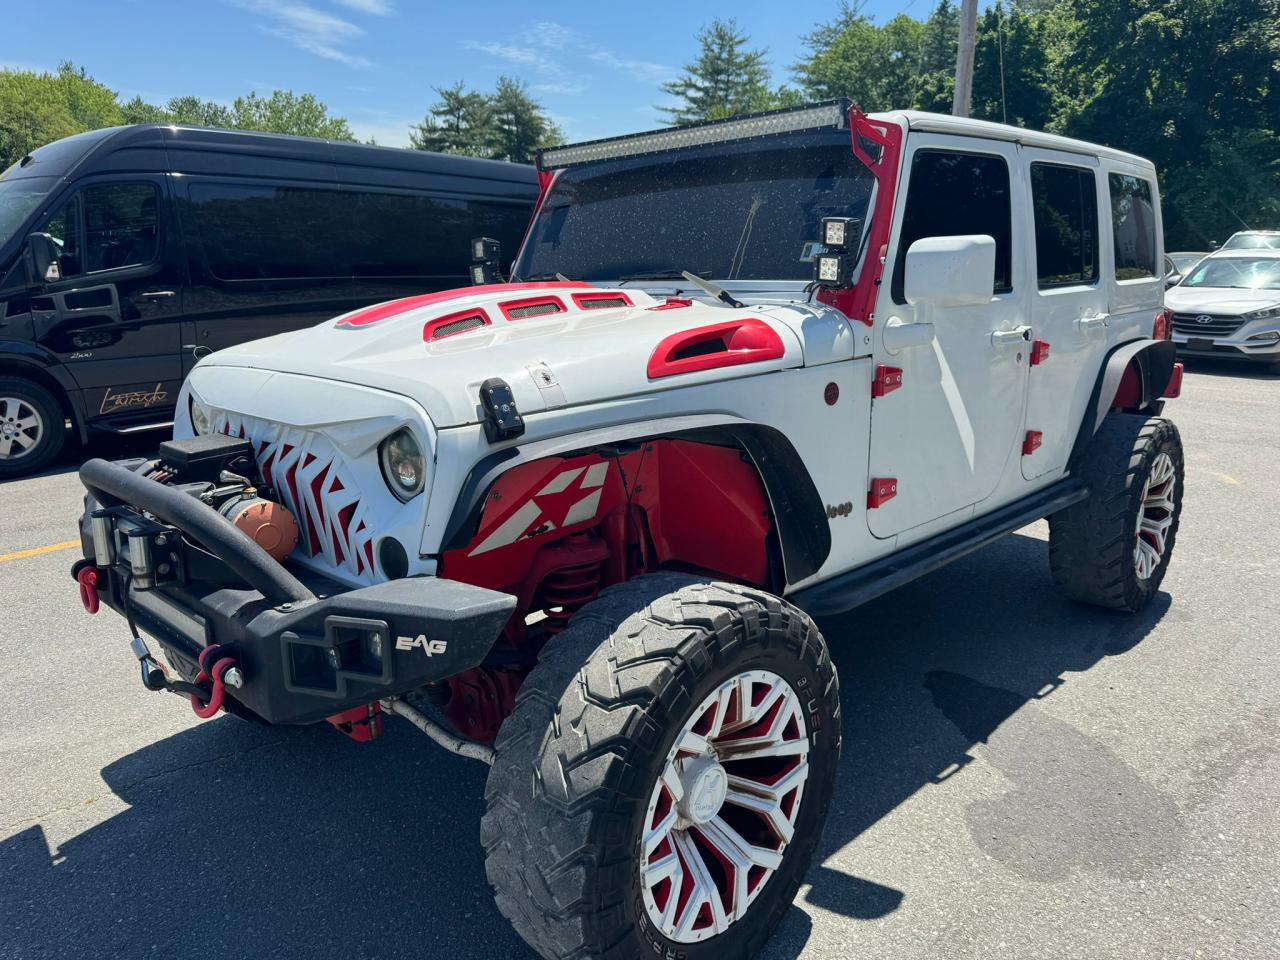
column 832, row 114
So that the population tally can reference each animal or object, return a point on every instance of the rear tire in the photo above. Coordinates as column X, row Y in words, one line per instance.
column 32, row 428
column 620, row 706
column 1112, row 550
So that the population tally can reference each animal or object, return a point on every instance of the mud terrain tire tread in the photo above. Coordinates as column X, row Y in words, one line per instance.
column 1091, row 542
column 568, row 765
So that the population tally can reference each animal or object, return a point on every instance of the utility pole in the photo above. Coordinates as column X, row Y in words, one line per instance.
column 963, row 98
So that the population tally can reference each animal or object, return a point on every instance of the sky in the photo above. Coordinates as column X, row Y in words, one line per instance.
column 597, row 67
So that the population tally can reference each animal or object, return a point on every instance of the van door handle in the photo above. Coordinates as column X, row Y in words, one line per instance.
column 1090, row 324
column 1018, row 336
column 157, row 294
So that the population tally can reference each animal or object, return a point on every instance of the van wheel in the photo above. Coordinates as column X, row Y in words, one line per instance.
column 1112, row 550
column 31, row 427
column 663, row 781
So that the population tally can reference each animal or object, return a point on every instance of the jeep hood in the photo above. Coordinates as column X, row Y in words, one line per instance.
column 597, row 345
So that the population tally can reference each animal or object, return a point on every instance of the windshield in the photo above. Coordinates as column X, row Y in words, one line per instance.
column 1182, row 262
column 18, row 198
column 735, row 211
column 1238, row 273
column 1253, row 241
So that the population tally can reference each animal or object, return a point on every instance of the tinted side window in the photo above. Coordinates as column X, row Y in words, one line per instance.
column 1133, row 222
column 64, row 227
column 264, row 232
column 957, row 194
column 1065, row 200
column 401, row 235
column 121, row 225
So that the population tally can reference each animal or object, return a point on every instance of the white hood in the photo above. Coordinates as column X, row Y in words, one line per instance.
column 1220, row 300
column 572, row 357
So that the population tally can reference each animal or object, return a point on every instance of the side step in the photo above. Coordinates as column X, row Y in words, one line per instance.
column 842, row 593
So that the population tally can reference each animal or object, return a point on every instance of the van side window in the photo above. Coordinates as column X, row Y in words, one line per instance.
column 64, row 227
column 398, row 235
column 264, row 232
column 1133, row 222
column 1065, row 201
column 121, row 225
column 957, row 194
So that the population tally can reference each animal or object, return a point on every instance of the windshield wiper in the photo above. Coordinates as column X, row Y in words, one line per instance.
column 662, row 275
column 536, row 277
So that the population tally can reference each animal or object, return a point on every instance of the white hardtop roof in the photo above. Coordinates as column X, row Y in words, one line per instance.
column 965, row 127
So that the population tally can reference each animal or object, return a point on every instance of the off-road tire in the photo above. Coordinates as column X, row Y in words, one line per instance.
column 53, row 433
column 1091, row 543
column 578, row 758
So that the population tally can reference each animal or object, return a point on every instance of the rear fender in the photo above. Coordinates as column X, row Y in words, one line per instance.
column 1134, row 377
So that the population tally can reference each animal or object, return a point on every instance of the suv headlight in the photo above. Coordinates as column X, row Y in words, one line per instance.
column 201, row 422
column 1266, row 314
column 403, row 466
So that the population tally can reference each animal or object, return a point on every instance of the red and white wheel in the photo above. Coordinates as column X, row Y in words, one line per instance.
column 724, row 807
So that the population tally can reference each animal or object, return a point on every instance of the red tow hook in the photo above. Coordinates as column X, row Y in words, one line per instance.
column 220, row 667
column 87, row 577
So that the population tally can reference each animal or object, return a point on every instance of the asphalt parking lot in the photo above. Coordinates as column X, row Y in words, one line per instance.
column 1022, row 777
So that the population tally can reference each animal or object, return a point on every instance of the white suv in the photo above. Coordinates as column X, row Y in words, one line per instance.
column 576, row 524
column 1228, row 306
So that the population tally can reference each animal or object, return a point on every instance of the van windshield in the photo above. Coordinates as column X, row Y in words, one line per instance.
column 18, row 199
column 730, row 211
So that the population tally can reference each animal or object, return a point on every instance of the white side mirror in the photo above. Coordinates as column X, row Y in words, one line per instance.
column 951, row 271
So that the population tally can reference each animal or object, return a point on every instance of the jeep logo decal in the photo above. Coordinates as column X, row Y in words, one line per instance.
column 429, row 647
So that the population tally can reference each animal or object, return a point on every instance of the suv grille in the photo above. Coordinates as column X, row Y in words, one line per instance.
column 311, row 479
column 532, row 310
column 1213, row 325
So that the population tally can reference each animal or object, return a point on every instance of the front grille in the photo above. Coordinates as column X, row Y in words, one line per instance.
column 311, row 479
column 1206, row 324
column 601, row 303
column 532, row 310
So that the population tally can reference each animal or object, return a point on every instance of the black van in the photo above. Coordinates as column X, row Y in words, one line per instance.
column 127, row 253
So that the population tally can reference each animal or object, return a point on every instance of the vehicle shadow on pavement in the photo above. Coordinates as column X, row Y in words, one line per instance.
column 244, row 840
column 953, row 661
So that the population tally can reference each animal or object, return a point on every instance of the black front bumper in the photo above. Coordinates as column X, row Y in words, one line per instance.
column 307, row 647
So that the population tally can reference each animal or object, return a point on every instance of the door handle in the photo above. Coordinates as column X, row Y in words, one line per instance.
column 900, row 334
column 1090, row 324
column 157, row 294
column 1018, row 336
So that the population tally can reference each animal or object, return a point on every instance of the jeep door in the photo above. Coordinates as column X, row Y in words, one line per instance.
column 942, row 441
column 114, row 315
column 1069, row 301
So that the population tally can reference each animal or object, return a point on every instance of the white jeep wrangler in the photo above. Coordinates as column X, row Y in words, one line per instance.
column 576, row 524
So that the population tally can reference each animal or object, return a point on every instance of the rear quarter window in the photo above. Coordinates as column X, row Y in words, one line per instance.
column 1133, row 226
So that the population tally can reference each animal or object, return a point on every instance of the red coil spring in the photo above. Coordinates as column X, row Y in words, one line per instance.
column 568, row 589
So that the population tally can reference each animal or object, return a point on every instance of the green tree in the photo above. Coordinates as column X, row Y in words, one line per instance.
column 37, row 108
column 461, row 121
column 520, row 127
column 726, row 78
column 505, row 125
column 1013, row 73
column 287, row 112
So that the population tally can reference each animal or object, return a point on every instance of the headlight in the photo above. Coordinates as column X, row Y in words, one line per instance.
column 1266, row 314
column 403, row 465
column 199, row 417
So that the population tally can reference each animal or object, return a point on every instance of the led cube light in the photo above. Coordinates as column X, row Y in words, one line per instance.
column 484, row 249
column 833, row 269
column 835, row 231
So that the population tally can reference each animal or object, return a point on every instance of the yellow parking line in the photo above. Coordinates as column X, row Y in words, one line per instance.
column 37, row 551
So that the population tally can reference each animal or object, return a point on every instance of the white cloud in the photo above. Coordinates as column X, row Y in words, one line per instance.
column 379, row 8
column 546, row 47
column 309, row 29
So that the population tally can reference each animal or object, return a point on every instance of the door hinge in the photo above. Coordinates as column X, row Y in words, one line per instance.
column 1032, row 442
column 1039, row 352
column 883, row 489
column 887, row 380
